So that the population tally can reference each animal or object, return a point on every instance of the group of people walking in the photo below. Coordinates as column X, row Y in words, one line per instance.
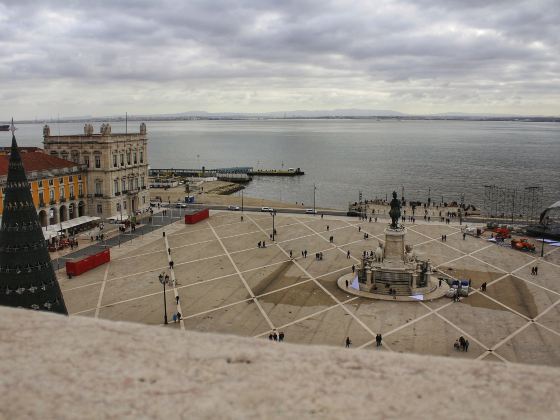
column 461, row 344
column 378, row 341
column 274, row 336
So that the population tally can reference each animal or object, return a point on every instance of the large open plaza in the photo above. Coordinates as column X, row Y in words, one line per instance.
column 227, row 284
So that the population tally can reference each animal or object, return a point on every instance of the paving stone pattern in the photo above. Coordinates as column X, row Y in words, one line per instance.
column 226, row 284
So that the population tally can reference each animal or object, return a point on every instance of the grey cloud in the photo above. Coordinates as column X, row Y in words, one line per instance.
column 365, row 49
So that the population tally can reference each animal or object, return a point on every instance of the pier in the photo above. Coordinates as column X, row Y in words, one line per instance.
column 235, row 174
column 276, row 172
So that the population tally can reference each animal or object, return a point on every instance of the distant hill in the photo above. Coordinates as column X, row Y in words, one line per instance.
column 332, row 113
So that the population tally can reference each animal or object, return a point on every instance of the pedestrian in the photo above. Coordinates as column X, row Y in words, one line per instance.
column 305, row 254
column 353, row 268
column 348, row 254
column 464, row 235
column 359, row 228
column 291, row 254
column 532, row 271
column 264, row 244
column 259, row 244
column 347, row 284
column 439, row 283
column 281, row 336
column 177, row 299
column 327, row 228
column 270, row 336
column 321, row 215
column 348, row 342
column 179, row 316
column 536, row 270
column 171, row 263
column 466, row 345
column 378, row 340
column 169, row 251
column 174, row 317
column 241, row 218
column 275, row 336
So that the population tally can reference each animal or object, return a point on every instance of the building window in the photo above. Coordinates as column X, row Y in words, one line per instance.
column 130, row 184
column 71, row 191
column 64, row 155
column 61, row 192
column 141, row 156
column 123, row 183
column 51, row 182
column 122, row 159
column 124, row 205
column 80, row 189
column 41, row 197
column 51, row 195
column 97, row 161
column 142, row 184
column 98, row 186
column 99, row 209
column 61, row 180
column 135, row 183
column 79, row 177
column 115, row 161
column 70, row 178
column 75, row 156
column 143, row 200
column 86, row 161
column 135, row 157
column 128, row 157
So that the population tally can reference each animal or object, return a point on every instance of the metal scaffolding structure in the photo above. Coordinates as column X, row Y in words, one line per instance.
column 513, row 204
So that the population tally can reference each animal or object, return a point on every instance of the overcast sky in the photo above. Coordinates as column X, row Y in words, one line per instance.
column 105, row 57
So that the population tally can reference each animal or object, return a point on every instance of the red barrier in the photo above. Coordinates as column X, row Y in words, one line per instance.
column 75, row 268
column 195, row 217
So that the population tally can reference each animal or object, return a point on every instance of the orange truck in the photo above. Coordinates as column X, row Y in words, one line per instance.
column 522, row 245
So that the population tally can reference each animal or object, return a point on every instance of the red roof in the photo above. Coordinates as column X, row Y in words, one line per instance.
column 36, row 161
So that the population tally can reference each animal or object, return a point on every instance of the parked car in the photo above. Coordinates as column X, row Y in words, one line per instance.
column 233, row 208
column 310, row 211
column 181, row 205
column 267, row 209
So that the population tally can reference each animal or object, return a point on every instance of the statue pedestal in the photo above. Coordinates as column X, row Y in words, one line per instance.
column 394, row 244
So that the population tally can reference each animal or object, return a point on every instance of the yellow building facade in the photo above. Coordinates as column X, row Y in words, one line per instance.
column 58, row 186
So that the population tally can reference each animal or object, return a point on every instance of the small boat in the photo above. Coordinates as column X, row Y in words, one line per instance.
column 5, row 127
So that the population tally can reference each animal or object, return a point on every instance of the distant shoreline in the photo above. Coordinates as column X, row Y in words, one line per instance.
column 266, row 118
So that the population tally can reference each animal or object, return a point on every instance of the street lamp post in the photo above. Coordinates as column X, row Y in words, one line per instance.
column 544, row 227
column 241, row 201
column 314, row 189
column 163, row 280
column 273, row 213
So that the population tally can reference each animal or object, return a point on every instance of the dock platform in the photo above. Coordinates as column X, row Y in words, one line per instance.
column 276, row 172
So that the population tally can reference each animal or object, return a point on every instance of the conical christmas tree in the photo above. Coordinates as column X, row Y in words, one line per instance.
column 27, row 277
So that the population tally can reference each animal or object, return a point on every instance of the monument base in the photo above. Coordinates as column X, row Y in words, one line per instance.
column 394, row 244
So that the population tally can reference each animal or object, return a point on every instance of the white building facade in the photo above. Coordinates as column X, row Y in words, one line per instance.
column 116, row 167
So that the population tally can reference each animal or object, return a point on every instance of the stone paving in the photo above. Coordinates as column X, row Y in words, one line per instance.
column 226, row 284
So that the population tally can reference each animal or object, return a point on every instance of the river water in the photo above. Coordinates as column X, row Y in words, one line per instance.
column 440, row 159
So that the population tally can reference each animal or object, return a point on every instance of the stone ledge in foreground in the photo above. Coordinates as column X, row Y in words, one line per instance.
column 58, row 367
